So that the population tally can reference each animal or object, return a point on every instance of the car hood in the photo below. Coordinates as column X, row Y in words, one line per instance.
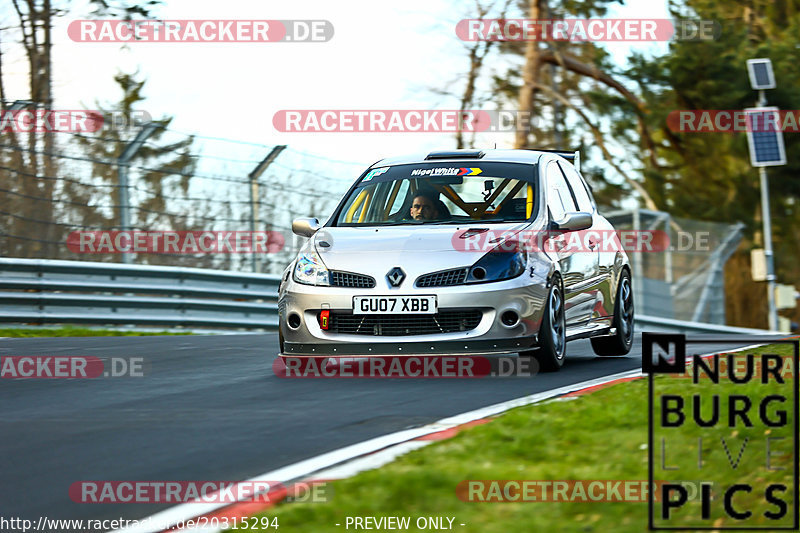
column 416, row 249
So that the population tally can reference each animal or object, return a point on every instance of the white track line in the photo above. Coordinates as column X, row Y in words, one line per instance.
column 370, row 462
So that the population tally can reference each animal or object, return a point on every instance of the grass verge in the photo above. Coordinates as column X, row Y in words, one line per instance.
column 68, row 331
column 600, row 436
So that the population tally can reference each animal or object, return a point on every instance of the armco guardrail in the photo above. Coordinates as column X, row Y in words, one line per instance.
column 668, row 325
column 40, row 291
column 37, row 291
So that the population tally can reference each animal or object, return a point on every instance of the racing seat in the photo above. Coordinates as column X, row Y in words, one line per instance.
column 443, row 211
column 515, row 209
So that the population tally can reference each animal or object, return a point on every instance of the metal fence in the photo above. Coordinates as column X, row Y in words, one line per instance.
column 686, row 281
column 112, row 179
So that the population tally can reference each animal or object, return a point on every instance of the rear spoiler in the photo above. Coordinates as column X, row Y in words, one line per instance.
column 572, row 157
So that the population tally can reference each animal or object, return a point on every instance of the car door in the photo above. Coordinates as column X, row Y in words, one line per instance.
column 596, row 281
column 577, row 266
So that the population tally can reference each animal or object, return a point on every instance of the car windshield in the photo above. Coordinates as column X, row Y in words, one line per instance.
column 441, row 193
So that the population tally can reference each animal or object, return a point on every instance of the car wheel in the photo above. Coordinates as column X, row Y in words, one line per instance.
column 553, row 332
column 280, row 340
column 621, row 341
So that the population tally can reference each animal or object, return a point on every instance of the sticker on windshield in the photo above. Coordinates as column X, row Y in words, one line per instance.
column 446, row 171
column 377, row 172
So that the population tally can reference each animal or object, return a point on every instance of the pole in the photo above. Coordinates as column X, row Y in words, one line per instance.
column 255, row 205
column 123, row 164
column 124, row 202
column 772, row 313
column 668, row 252
column 255, row 201
column 765, row 216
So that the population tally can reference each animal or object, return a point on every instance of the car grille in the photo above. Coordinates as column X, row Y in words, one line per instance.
column 348, row 279
column 445, row 278
column 401, row 325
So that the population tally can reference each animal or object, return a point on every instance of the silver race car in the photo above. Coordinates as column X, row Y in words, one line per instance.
column 460, row 253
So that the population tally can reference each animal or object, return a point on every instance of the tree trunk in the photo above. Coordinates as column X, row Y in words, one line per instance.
column 50, row 233
column 530, row 79
column 467, row 98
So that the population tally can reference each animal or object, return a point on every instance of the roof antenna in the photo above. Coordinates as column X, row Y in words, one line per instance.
column 495, row 146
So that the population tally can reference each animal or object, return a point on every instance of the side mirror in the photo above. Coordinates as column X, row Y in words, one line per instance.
column 305, row 227
column 574, row 221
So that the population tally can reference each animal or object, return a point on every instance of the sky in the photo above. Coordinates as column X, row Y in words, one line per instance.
column 382, row 56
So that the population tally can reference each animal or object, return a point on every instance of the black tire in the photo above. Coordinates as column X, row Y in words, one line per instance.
column 552, row 334
column 621, row 341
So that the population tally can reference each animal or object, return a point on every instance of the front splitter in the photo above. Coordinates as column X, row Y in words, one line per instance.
column 416, row 349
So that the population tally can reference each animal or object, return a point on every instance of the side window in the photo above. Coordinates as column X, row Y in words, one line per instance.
column 578, row 188
column 559, row 199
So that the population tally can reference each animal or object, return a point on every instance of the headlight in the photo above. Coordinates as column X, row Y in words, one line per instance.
column 498, row 265
column 310, row 270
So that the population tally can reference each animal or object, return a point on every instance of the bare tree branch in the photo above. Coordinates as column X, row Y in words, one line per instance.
column 571, row 63
column 598, row 137
column 477, row 53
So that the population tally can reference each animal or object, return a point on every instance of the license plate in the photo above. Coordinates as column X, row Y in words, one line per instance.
column 395, row 305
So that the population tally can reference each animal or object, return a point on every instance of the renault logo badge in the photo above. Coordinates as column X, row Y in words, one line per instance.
column 396, row 277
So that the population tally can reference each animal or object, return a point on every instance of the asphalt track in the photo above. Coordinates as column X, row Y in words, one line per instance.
column 211, row 408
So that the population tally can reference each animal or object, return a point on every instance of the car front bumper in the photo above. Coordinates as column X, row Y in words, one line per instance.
column 524, row 295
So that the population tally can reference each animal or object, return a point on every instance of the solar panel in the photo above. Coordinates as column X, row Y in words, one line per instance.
column 766, row 146
column 765, row 137
column 760, row 72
